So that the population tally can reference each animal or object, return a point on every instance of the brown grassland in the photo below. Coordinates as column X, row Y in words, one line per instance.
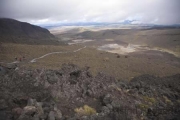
column 123, row 67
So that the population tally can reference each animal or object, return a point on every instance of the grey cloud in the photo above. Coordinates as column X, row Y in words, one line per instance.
column 52, row 11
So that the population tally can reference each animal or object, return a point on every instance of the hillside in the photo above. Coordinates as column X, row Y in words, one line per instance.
column 162, row 39
column 20, row 32
column 119, row 66
column 71, row 93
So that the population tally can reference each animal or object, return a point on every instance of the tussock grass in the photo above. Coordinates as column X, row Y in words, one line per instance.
column 85, row 110
column 149, row 99
column 167, row 100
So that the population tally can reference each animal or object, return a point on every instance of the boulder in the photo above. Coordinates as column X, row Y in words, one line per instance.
column 40, row 110
column 2, row 70
column 17, row 112
column 36, row 117
column 29, row 110
column 116, row 104
column 52, row 78
column 51, row 115
column 105, row 110
column 3, row 104
column 3, row 115
column 107, row 99
column 57, row 112
column 31, row 102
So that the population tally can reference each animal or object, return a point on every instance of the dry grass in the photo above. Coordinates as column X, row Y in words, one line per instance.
column 120, row 68
column 9, row 51
column 124, row 68
column 168, row 101
column 85, row 110
column 149, row 99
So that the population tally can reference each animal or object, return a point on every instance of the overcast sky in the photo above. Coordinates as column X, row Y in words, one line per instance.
column 65, row 11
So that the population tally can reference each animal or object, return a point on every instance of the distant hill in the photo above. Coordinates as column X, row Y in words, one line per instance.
column 21, row 32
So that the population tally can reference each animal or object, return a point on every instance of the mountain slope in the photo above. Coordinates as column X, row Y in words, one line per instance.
column 72, row 93
column 21, row 32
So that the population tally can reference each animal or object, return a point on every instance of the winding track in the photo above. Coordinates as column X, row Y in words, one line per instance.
column 35, row 59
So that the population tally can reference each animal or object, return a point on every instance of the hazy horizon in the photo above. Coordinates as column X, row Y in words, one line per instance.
column 44, row 12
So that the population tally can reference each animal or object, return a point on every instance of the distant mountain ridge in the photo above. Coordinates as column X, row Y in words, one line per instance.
column 114, row 24
column 21, row 32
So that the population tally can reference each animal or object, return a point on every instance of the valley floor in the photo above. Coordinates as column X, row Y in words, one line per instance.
column 123, row 67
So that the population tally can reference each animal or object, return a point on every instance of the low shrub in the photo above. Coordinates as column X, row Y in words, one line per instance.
column 85, row 110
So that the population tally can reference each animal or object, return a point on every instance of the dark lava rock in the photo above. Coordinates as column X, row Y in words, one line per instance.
column 2, row 70
column 55, row 94
column 51, row 116
column 118, row 56
column 52, row 78
column 3, row 115
column 107, row 99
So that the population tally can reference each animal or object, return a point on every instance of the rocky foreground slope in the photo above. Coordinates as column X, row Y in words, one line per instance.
column 72, row 93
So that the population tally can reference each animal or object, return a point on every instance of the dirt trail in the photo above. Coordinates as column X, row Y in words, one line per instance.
column 35, row 59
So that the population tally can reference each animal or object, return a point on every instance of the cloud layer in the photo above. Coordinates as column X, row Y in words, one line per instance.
column 53, row 11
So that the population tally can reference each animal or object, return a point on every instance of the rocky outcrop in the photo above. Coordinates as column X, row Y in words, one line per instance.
column 61, row 94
